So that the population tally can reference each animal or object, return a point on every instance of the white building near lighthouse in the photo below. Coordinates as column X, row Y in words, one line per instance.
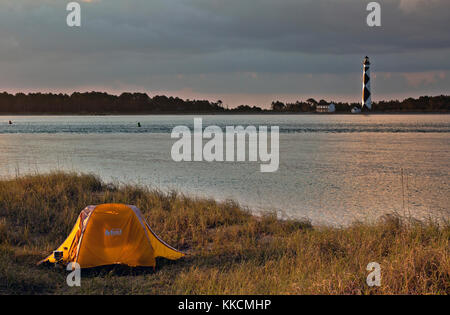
column 356, row 110
column 327, row 108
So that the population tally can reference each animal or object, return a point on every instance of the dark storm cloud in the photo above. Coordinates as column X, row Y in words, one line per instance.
column 225, row 46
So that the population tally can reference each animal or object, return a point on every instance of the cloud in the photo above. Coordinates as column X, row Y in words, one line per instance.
column 230, row 47
column 416, row 79
column 409, row 6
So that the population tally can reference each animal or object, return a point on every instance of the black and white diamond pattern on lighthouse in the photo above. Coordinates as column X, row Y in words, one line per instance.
column 366, row 94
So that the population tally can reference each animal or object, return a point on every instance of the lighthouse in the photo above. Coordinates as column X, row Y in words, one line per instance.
column 366, row 101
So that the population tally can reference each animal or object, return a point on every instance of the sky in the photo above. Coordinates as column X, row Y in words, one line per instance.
column 239, row 51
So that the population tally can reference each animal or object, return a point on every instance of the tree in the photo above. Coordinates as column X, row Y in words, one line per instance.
column 311, row 101
column 277, row 106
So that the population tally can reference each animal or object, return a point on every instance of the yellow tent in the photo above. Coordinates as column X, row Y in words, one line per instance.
column 112, row 234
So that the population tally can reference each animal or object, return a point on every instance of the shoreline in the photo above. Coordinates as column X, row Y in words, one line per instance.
column 224, row 114
column 230, row 251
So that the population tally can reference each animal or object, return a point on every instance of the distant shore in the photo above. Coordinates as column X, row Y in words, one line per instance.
column 224, row 113
column 229, row 250
column 101, row 103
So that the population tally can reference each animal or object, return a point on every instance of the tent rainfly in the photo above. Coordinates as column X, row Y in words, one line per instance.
column 112, row 234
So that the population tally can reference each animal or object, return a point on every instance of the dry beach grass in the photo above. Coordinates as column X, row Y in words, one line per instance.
column 230, row 250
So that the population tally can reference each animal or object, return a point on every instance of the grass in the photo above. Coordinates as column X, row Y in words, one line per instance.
column 230, row 250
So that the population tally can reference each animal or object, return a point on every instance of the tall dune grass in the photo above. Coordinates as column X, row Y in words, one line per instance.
column 230, row 250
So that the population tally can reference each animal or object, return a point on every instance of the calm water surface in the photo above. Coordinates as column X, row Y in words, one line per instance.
column 334, row 169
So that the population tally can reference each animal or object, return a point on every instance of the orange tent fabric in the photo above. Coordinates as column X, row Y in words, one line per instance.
column 112, row 234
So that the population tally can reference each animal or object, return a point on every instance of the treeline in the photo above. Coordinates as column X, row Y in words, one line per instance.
column 129, row 103
column 309, row 105
column 99, row 102
column 422, row 104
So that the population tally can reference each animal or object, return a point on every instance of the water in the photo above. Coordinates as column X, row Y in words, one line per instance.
column 288, row 124
column 334, row 169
